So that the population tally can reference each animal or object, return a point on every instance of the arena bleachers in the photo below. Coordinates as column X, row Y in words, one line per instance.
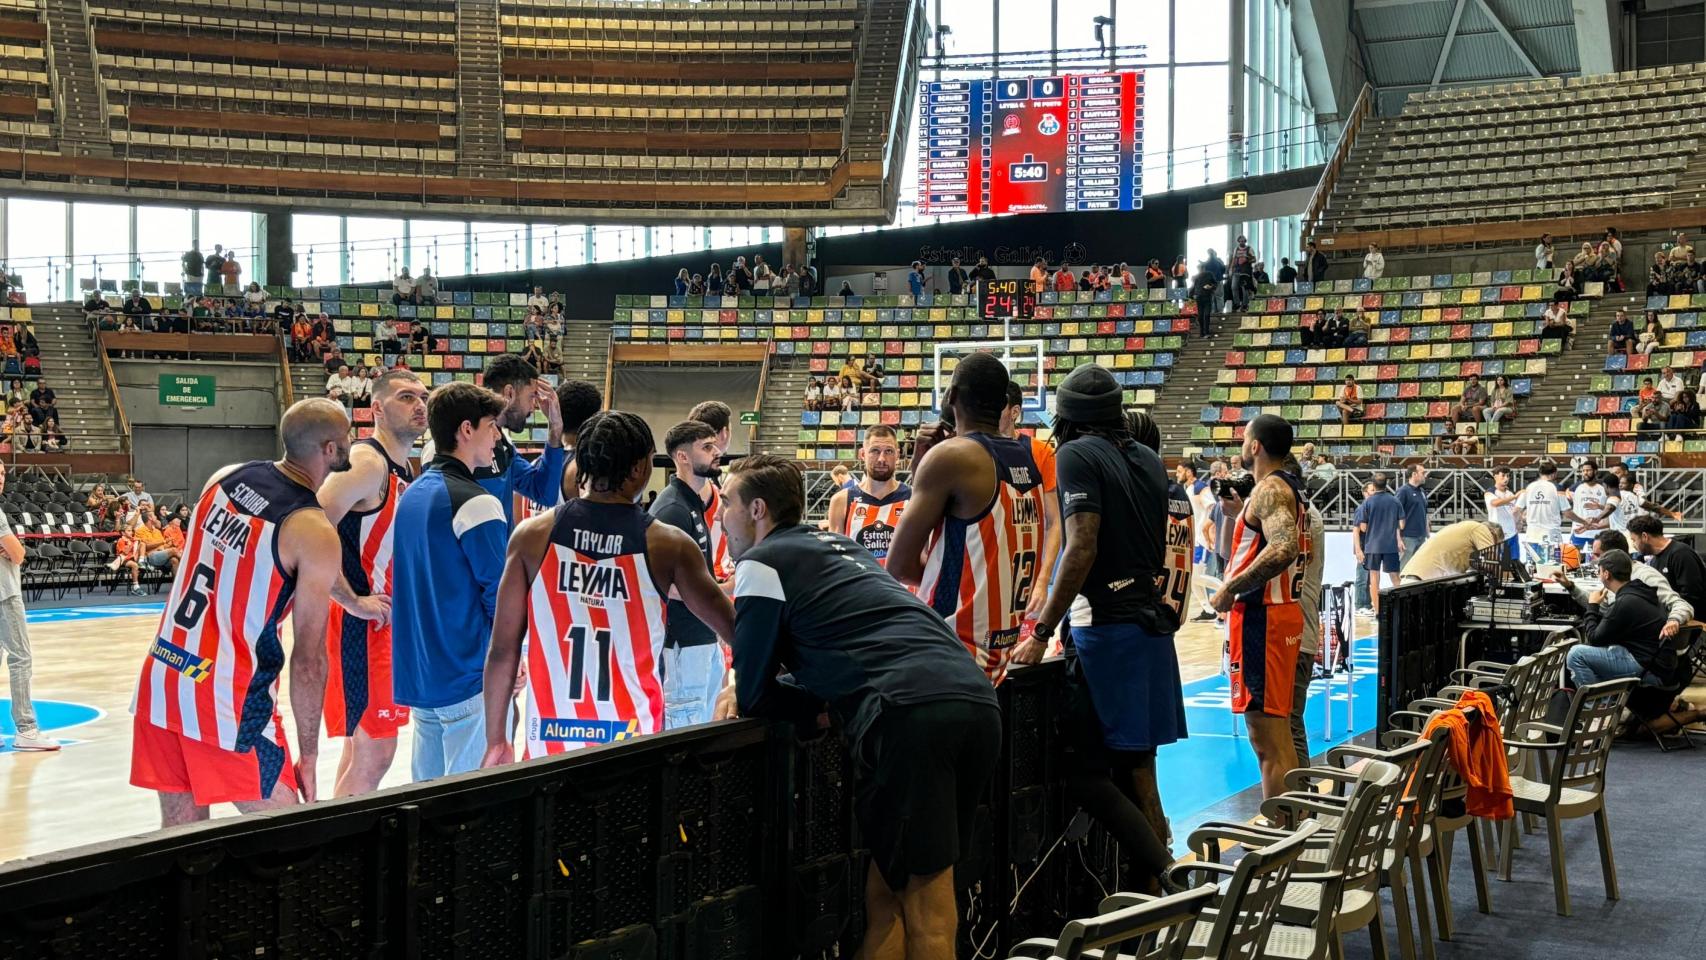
column 1136, row 334
column 1610, row 143
column 369, row 87
column 1604, row 421
column 1426, row 334
column 26, row 94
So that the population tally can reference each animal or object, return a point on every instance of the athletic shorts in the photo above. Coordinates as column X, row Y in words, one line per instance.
column 1132, row 679
column 1265, row 644
column 358, row 679
column 921, row 773
column 1381, row 562
column 170, row 762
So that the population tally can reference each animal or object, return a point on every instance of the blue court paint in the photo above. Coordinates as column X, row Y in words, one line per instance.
column 52, row 716
column 1213, row 764
column 71, row 614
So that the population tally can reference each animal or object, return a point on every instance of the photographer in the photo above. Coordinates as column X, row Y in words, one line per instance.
column 1127, row 695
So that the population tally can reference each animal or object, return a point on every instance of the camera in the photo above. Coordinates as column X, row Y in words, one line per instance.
column 1239, row 485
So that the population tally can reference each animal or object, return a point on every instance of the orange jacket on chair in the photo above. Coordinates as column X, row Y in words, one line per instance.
column 1476, row 749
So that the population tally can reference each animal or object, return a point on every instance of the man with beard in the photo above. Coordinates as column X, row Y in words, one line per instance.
column 868, row 512
column 517, row 383
column 361, row 503
column 692, row 660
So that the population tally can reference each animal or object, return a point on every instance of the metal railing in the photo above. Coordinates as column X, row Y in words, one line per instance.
column 1360, row 111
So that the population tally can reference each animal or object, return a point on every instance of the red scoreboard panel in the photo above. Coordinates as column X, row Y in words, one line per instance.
column 1032, row 144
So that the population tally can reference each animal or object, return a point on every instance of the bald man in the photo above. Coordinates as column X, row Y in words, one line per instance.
column 207, row 727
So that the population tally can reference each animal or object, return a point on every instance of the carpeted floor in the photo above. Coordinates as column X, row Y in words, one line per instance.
column 1657, row 804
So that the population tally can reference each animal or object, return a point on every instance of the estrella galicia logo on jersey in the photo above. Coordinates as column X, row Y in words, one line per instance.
column 181, row 660
column 875, row 538
column 574, row 730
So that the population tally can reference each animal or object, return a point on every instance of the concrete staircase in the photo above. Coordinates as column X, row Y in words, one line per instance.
column 307, row 380
column 1179, row 401
column 586, row 350
column 479, row 84
column 779, row 412
column 80, row 99
column 1567, row 377
column 71, row 367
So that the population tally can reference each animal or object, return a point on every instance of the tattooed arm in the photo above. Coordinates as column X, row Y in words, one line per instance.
column 1274, row 507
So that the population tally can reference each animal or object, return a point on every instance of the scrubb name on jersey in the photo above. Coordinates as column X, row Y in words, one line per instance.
column 593, row 581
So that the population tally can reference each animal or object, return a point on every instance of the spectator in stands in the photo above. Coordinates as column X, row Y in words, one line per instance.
column 1287, row 272
column 1333, row 331
column 850, row 394
column 814, row 394
column 739, row 277
column 95, row 304
column 830, row 398
column 25, row 337
column 854, row 370
column 215, row 264
column 554, row 323
column 1569, row 284
column 52, row 440
column 683, row 280
column 338, row 385
column 538, row 301
column 790, row 281
column 1314, row 263
column 1558, row 326
column 1684, row 414
column 1350, row 400
column 808, row 281
column 385, row 335
column 1621, row 338
column 1471, row 404
column 231, row 271
column 1681, row 250
column 1543, row 252
column 532, row 325
column 1373, row 263
column 302, row 332
column 16, row 395
column 1356, row 333
column 136, row 305
column 1260, row 275
column 1615, row 241
column 1180, row 273
column 1501, row 400
column 1039, row 275
column 763, row 278
column 192, row 266
column 1154, row 278
column 403, row 287
column 1237, row 273
column 1652, row 337
column 1202, row 292
column 254, row 299
column 283, row 313
column 957, row 277
column 714, row 280
column 1063, row 280
column 1306, row 329
column 983, row 271
column 1670, row 386
column 426, row 287
column 1467, row 443
column 334, row 357
column 1658, row 275
column 1127, row 281
column 696, row 285
column 421, row 339
column 43, row 403
column 96, row 502
column 915, row 279
column 846, row 290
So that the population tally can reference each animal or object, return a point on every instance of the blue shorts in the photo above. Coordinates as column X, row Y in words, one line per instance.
column 1132, row 677
column 1381, row 562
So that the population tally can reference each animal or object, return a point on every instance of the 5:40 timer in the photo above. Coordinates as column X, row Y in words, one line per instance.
column 1006, row 298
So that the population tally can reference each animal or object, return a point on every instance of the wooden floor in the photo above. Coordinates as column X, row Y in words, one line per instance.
column 82, row 794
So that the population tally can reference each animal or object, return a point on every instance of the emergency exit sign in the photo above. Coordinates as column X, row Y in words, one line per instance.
column 1237, row 199
column 186, row 390
column 749, row 417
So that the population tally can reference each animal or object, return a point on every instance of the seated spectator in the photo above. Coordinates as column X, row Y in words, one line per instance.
column 696, row 286
column 831, row 399
column 43, row 403
column 25, row 339
column 426, row 287
column 403, row 287
column 1584, row 259
column 552, row 355
column 1333, row 331
column 1626, row 641
column 52, row 440
column 849, row 394
column 1681, row 250
column 533, row 325
column 853, row 372
column 814, row 394
column 96, row 303
column 386, row 336
column 1651, row 338
column 1670, row 386
column 334, row 357
column 1558, row 326
column 846, row 290
column 1260, row 276
column 16, row 395
column 1471, row 404
column 1501, row 401
column 538, row 300
column 421, row 339
column 283, row 314
column 1357, row 335
column 1467, row 444
column 1350, row 400
column 1658, row 275
column 97, row 500
column 254, row 300
column 301, row 332
column 554, row 321
column 136, row 305
column 1568, row 285
column 340, row 385
column 683, row 280
column 1621, row 339
column 1684, row 415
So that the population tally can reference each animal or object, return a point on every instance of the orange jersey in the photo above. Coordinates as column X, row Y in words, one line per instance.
column 871, row 519
column 1248, row 540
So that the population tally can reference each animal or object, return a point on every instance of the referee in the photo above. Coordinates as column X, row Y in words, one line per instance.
column 1128, row 700
column 920, row 717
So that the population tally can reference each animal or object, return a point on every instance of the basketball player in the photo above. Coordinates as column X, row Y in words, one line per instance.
column 361, row 503
column 576, row 400
column 1043, row 454
column 207, row 727
column 716, row 415
column 586, row 584
column 518, row 384
column 867, row 513
column 1270, row 550
column 693, row 663
column 976, row 508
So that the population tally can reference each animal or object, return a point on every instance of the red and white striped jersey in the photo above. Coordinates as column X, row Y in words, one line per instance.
column 871, row 520
column 978, row 573
column 720, row 566
column 595, row 631
column 212, row 671
column 1248, row 540
column 365, row 537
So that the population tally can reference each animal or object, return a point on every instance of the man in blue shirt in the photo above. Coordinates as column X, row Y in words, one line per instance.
column 1375, row 537
column 447, row 556
column 1413, row 528
column 517, row 385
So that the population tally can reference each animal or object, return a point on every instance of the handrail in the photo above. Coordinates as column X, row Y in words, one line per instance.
column 118, row 402
column 284, row 366
column 763, row 385
column 1363, row 106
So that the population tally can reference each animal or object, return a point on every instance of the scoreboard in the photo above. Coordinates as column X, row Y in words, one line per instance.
column 1031, row 144
column 1006, row 298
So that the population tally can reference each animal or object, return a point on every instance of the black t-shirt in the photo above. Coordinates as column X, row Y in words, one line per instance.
column 681, row 508
column 1685, row 571
column 44, row 396
column 818, row 606
column 1128, row 488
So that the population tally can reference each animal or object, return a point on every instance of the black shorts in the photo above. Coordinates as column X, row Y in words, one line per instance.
column 921, row 772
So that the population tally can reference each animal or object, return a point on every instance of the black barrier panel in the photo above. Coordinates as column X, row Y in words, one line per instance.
column 732, row 841
column 1419, row 637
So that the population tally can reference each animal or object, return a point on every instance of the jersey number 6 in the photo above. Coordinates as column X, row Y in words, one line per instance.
column 194, row 605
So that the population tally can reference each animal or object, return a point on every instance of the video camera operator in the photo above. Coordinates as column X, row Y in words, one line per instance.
column 1128, row 698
